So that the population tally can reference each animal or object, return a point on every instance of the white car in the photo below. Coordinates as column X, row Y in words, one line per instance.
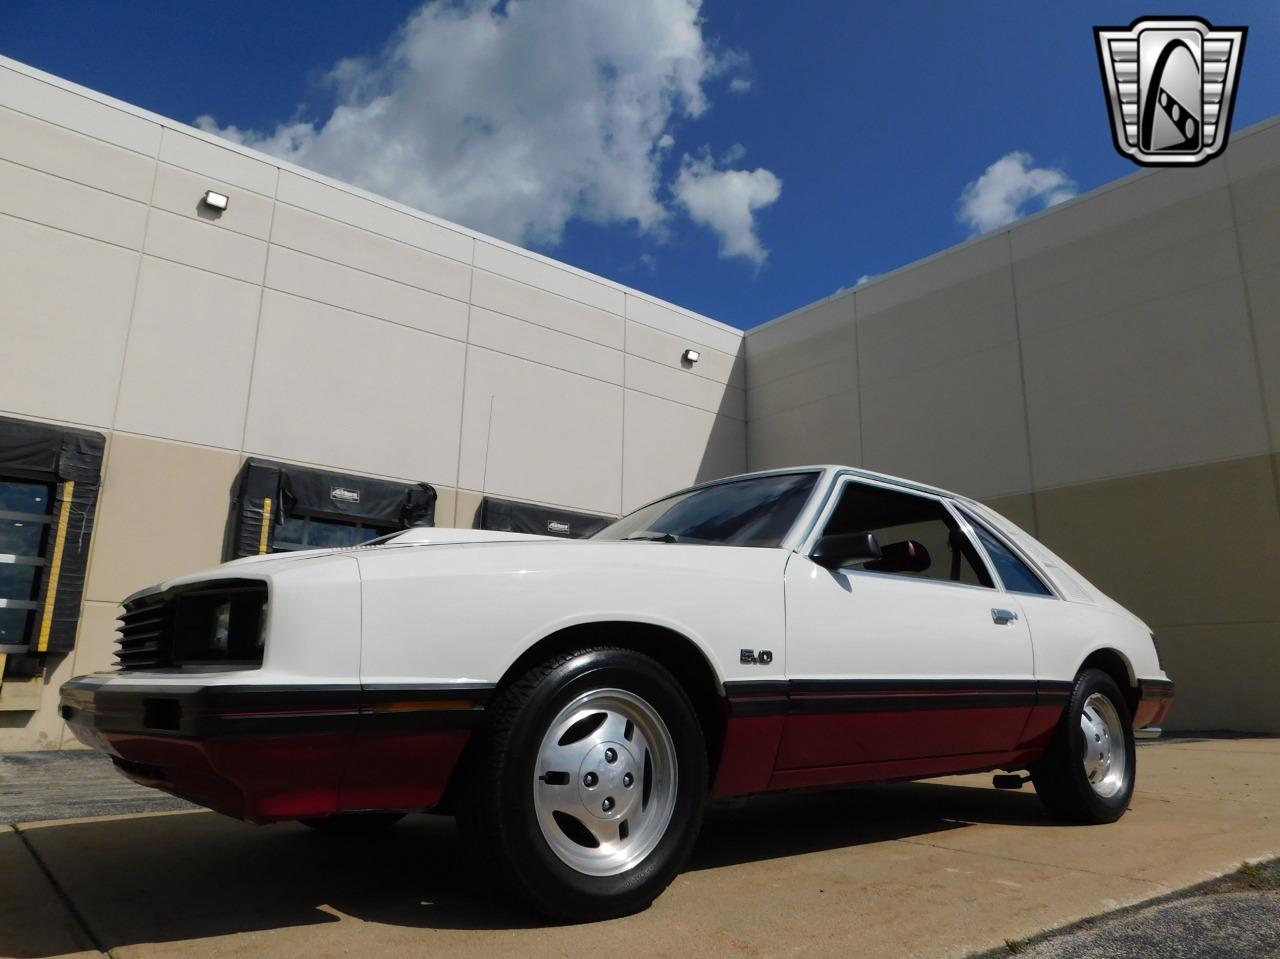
column 576, row 702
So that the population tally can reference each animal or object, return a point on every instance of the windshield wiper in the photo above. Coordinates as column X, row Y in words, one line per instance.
column 648, row 536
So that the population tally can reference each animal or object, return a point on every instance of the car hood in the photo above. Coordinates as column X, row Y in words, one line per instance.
column 271, row 563
column 418, row 536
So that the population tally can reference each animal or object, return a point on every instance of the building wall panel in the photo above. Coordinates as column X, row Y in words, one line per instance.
column 64, row 205
column 222, row 163
column 38, row 95
column 374, row 216
column 206, row 246
column 826, row 379
column 66, row 307
column 681, row 323
column 536, row 272
column 361, row 249
column 670, row 445
column 823, row 431
column 346, row 391
column 161, row 513
column 533, row 432
column 684, row 387
column 502, row 294
column 799, row 341
column 1170, row 383
column 327, row 282
column 1185, row 547
column 958, row 425
column 504, row 334
column 181, row 192
column 186, row 371
column 667, row 349
column 73, row 156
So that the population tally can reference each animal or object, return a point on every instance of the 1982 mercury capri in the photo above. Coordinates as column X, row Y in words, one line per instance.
column 576, row 702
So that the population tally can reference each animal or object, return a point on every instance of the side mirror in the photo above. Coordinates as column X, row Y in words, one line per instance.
column 846, row 549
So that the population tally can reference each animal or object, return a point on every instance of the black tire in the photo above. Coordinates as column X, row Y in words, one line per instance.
column 498, row 815
column 354, row 823
column 1060, row 778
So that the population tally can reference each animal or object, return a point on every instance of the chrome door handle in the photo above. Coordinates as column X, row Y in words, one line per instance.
column 1003, row 617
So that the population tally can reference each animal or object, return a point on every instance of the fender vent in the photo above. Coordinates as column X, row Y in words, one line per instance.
column 146, row 636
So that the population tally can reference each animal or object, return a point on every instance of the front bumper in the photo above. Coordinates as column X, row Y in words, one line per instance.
column 266, row 753
column 1155, row 699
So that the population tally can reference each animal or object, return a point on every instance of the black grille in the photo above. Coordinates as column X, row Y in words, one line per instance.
column 208, row 623
column 146, row 634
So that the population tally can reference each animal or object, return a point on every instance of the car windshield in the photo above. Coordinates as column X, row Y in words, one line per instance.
column 747, row 512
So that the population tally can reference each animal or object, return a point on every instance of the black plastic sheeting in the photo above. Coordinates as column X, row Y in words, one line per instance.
column 57, row 454
column 510, row 516
column 298, row 489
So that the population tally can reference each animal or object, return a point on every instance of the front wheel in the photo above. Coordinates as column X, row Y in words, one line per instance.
column 586, row 787
column 1087, row 774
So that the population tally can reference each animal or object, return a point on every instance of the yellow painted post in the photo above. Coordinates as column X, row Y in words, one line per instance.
column 265, row 535
column 55, row 566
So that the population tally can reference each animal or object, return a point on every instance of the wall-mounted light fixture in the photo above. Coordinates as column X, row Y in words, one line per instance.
column 690, row 356
column 215, row 201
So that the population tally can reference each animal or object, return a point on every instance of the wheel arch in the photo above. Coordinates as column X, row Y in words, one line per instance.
column 687, row 662
column 1116, row 665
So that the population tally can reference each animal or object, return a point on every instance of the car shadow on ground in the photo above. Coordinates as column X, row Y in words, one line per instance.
column 171, row 878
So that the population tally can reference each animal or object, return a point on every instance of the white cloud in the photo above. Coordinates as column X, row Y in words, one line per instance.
column 515, row 117
column 1011, row 188
column 726, row 201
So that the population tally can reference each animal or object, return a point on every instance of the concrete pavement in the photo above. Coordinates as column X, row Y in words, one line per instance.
column 943, row 868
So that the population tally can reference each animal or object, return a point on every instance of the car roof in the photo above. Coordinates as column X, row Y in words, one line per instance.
column 828, row 470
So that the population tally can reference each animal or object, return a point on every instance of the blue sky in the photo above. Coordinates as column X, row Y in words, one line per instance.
column 781, row 152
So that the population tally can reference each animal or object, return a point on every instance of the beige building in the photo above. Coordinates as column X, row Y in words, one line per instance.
column 1107, row 373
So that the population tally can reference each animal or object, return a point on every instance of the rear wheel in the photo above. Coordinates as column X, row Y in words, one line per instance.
column 585, row 790
column 1088, row 772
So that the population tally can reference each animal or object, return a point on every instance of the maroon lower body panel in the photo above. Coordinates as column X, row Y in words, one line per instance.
column 784, row 735
column 747, row 758
column 296, row 777
column 266, row 754
column 840, row 739
column 259, row 780
column 402, row 770
column 754, row 746
column 889, row 770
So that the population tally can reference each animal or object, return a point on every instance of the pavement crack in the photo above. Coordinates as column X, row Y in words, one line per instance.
column 1034, row 862
column 72, row 909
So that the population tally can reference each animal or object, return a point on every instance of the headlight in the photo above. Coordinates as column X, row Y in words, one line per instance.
column 262, row 626
column 221, row 640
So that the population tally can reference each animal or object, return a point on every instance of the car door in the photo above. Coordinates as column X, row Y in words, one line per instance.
column 913, row 656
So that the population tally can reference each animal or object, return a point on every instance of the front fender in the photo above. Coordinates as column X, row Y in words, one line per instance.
column 466, row 613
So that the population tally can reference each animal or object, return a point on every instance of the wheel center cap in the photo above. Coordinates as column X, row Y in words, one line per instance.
column 609, row 781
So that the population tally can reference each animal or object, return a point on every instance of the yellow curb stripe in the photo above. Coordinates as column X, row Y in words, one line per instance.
column 55, row 567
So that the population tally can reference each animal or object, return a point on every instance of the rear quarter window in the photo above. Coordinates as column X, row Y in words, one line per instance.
column 1016, row 575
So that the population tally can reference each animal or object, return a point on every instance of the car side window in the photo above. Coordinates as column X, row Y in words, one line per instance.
column 918, row 536
column 1014, row 573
